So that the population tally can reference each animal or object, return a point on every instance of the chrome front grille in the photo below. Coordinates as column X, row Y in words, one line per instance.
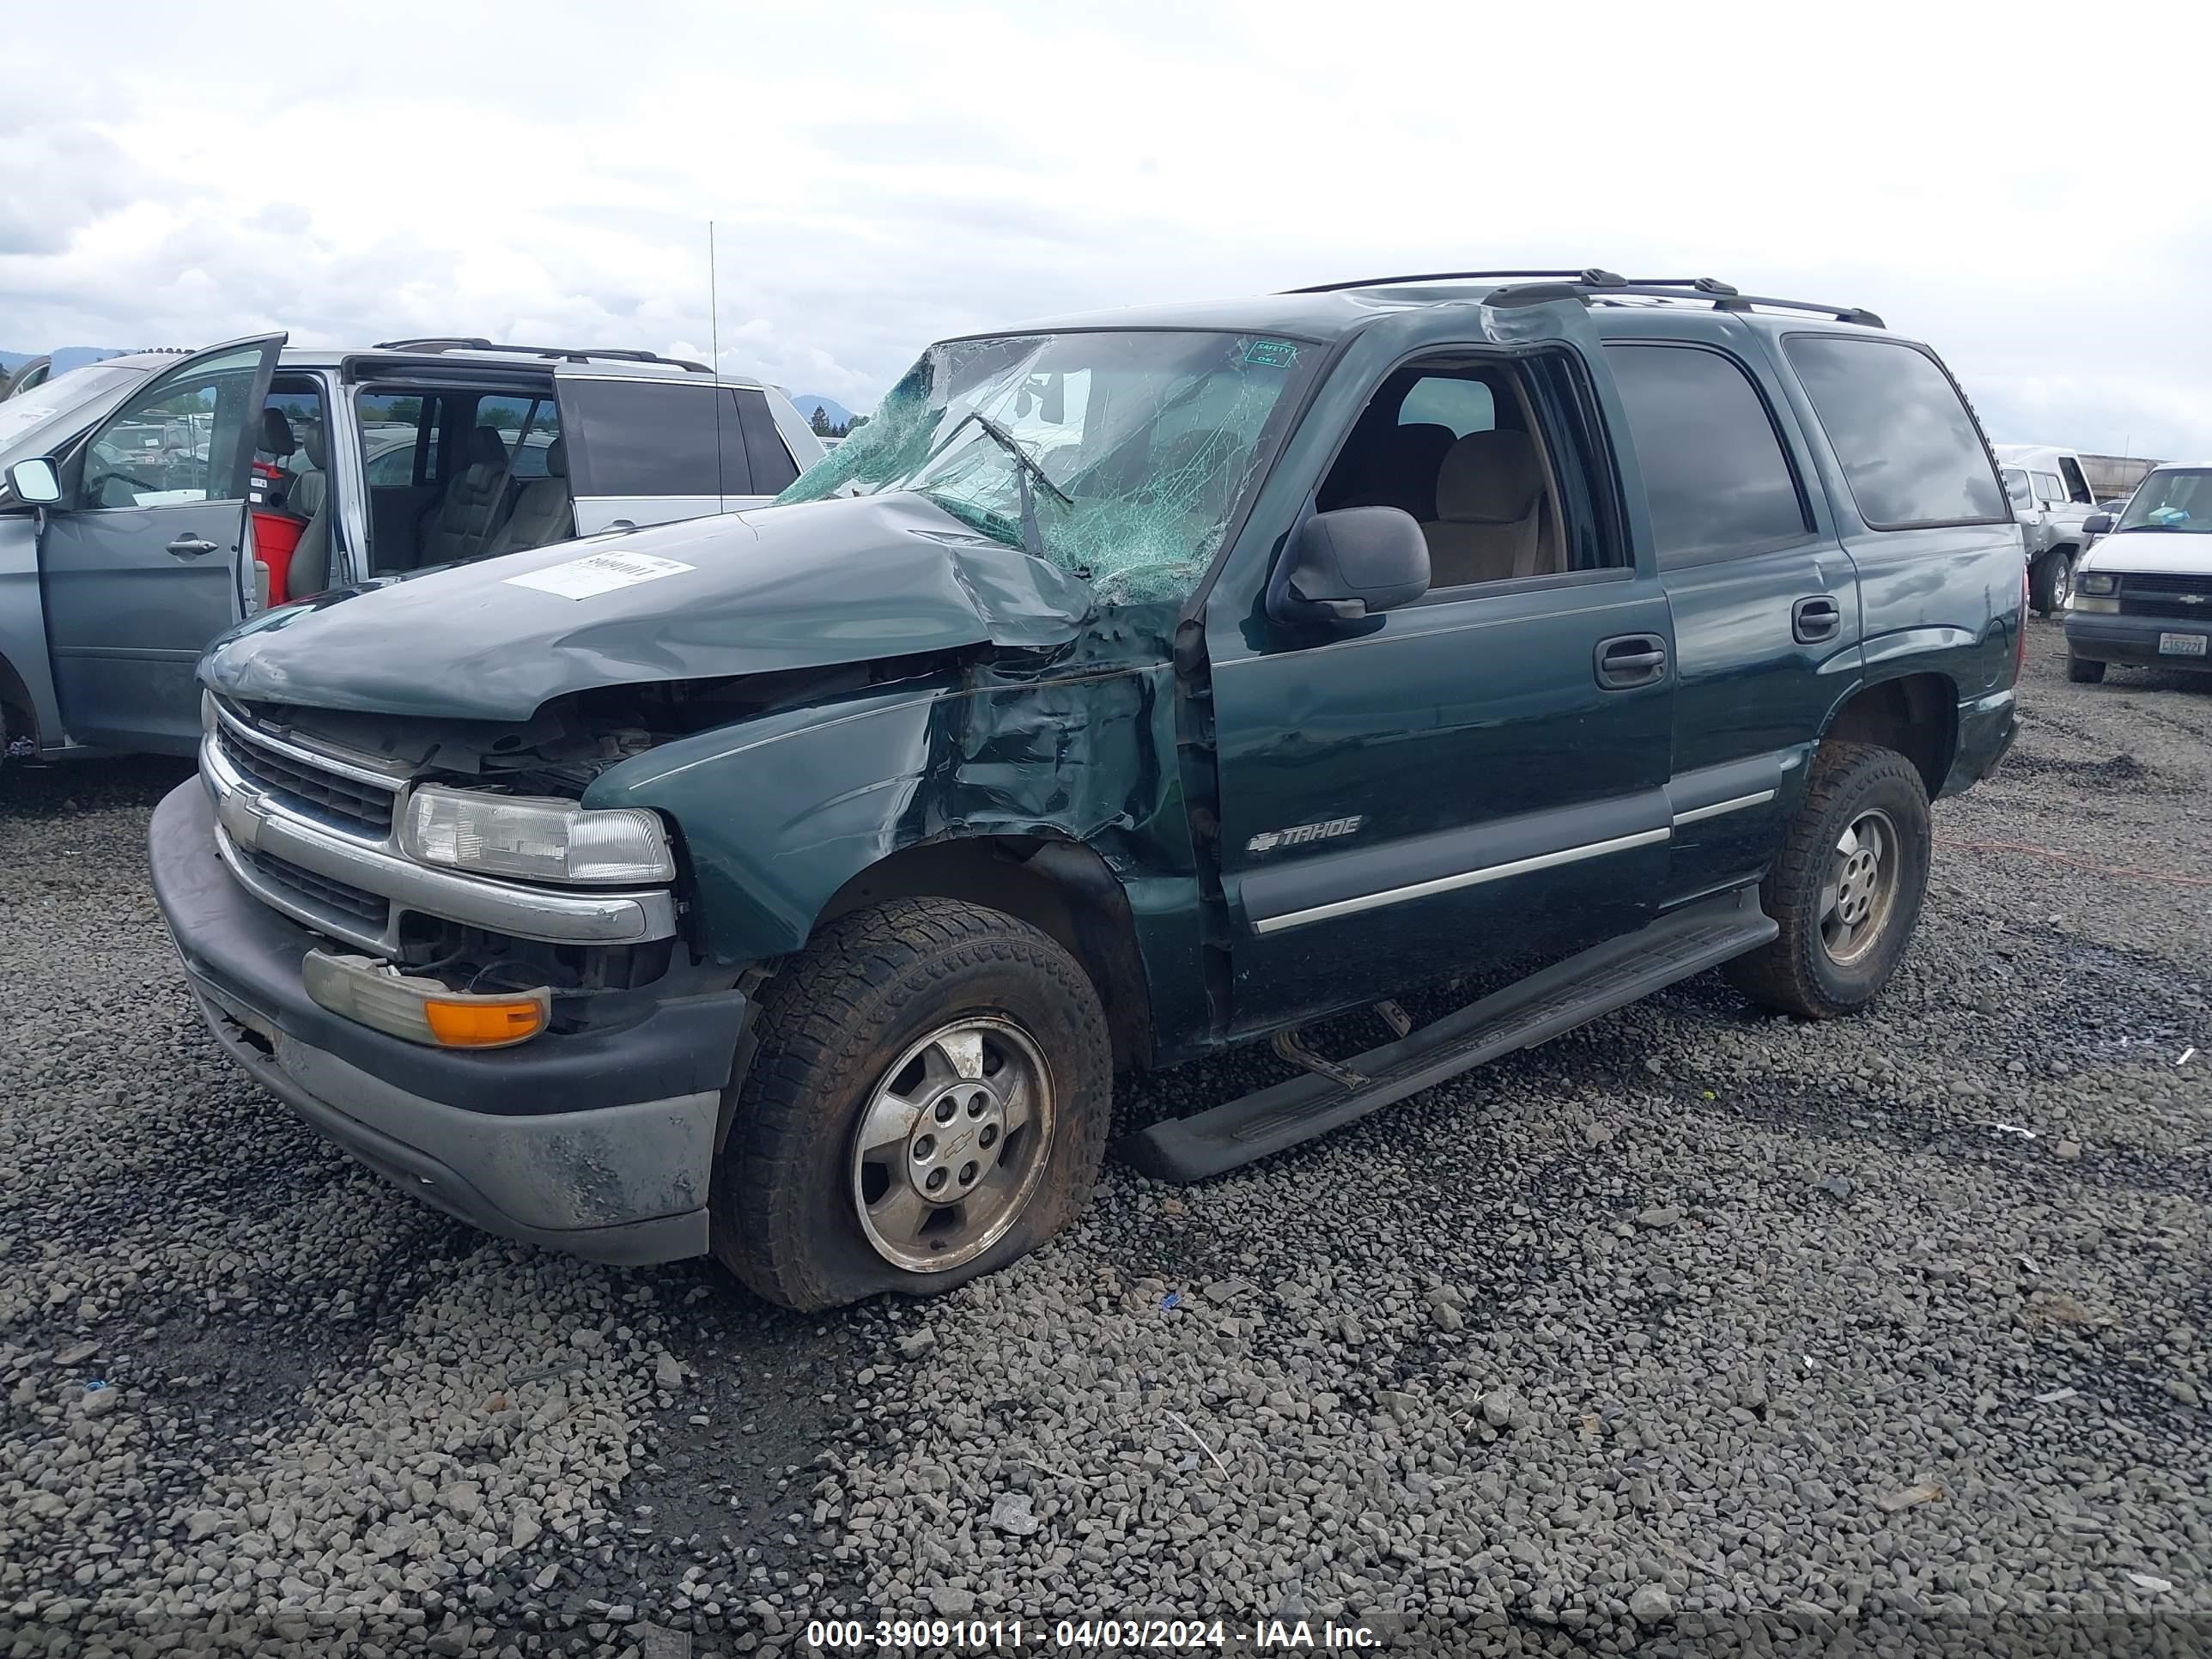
column 315, row 835
column 320, row 892
column 343, row 800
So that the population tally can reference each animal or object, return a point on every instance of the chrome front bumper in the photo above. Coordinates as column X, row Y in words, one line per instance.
column 254, row 826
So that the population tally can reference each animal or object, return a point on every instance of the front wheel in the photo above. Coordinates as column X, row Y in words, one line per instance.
column 2082, row 671
column 928, row 1101
column 2051, row 583
column 1847, row 888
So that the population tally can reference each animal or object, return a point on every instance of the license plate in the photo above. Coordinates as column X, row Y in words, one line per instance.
column 2181, row 645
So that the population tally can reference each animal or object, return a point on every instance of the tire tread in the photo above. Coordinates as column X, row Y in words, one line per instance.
column 1779, row 974
column 848, row 981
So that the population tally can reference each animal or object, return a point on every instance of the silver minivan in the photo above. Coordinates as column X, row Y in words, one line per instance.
column 149, row 502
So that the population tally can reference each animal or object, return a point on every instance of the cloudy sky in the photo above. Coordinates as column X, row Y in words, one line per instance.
column 2023, row 187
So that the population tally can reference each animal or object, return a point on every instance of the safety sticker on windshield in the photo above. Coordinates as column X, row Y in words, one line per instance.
column 600, row 573
column 1270, row 354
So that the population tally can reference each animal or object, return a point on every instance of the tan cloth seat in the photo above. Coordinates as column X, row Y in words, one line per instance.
column 458, row 528
column 309, row 498
column 543, row 513
column 1489, row 522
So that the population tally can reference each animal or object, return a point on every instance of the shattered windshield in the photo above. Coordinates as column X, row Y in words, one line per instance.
column 1118, row 455
column 2177, row 498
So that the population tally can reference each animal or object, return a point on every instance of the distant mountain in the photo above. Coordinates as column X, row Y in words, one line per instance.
column 807, row 402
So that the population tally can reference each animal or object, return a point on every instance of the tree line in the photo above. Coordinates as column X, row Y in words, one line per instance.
column 825, row 427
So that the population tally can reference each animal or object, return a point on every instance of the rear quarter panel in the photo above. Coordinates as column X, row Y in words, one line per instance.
column 1946, row 599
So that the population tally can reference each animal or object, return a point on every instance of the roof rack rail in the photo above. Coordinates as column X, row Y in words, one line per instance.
column 1724, row 296
column 566, row 354
column 1590, row 274
column 1594, row 282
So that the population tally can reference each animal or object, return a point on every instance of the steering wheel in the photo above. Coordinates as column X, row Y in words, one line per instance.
column 100, row 481
column 95, row 485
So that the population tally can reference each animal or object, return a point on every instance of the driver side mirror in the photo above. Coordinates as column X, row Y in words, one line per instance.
column 36, row 482
column 1344, row 566
column 2097, row 524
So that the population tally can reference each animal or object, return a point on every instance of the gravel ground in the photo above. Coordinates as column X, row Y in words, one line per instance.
column 1696, row 1331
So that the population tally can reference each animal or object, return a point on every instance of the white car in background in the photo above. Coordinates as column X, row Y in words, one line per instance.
column 2050, row 496
column 2142, row 594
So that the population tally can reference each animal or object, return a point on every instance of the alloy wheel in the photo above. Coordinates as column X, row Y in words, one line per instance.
column 952, row 1143
column 1860, row 889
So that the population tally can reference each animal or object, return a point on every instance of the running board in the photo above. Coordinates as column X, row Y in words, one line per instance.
column 1531, row 1010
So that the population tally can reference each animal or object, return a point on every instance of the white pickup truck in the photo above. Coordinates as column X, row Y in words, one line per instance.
column 2050, row 497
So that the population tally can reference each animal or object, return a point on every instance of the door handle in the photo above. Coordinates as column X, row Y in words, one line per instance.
column 1630, row 660
column 190, row 547
column 1813, row 620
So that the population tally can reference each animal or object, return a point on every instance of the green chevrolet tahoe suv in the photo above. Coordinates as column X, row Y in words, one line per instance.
column 790, row 884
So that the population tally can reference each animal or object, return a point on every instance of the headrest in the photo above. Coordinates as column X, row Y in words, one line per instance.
column 486, row 448
column 1422, row 445
column 311, row 440
column 1489, row 477
column 275, row 434
column 557, row 458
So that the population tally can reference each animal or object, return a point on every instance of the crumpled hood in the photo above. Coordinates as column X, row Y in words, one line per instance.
column 802, row 586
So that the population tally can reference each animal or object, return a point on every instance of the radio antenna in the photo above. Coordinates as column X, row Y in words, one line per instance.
column 715, row 343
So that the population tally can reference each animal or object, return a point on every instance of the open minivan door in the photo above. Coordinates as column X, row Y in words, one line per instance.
column 37, row 372
column 142, row 561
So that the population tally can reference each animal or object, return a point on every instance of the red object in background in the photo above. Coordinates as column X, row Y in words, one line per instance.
column 268, row 482
column 275, row 535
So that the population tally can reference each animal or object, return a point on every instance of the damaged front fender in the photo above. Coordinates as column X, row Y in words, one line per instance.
column 778, row 814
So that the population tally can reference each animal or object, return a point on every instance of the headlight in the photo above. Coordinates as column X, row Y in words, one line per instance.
column 534, row 838
column 2097, row 582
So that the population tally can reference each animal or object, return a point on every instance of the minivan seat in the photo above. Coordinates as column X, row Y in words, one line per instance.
column 277, row 440
column 455, row 527
column 543, row 514
column 1489, row 494
column 311, row 485
column 310, row 499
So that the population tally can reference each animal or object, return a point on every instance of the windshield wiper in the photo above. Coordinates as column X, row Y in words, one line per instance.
column 1027, row 468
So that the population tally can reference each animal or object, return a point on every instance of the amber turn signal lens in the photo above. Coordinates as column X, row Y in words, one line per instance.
column 484, row 1024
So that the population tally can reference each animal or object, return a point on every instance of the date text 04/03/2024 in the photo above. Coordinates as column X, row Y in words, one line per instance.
column 1101, row 1634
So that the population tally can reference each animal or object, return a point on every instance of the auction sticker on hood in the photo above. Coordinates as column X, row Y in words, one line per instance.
column 598, row 573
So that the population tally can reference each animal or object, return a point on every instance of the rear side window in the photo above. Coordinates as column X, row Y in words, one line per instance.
column 773, row 470
column 1463, row 405
column 1714, row 470
column 397, row 428
column 640, row 438
column 528, row 428
column 1911, row 453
